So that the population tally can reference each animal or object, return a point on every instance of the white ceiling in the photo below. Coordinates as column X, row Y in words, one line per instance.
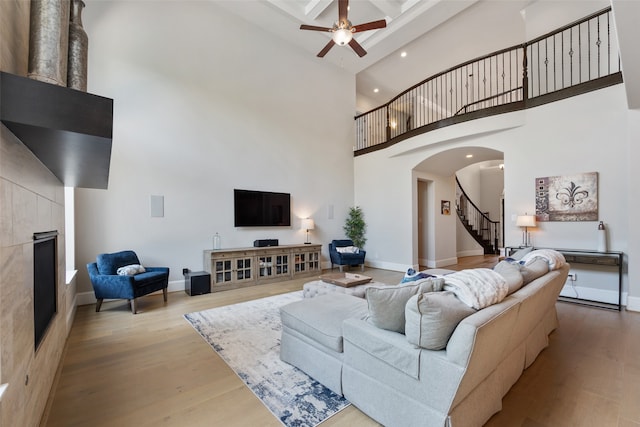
column 407, row 20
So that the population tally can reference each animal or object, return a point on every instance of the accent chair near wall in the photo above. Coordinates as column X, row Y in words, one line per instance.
column 120, row 275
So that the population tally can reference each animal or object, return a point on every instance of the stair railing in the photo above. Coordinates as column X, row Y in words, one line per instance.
column 571, row 60
column 484, row 230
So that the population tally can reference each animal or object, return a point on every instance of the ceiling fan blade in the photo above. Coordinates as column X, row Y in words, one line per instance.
column 314, row 28
column 369, row 26
column 343, row 6
column 326, row 49
column 357, row 48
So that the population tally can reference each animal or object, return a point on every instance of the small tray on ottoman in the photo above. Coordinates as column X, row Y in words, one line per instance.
column 345, row 280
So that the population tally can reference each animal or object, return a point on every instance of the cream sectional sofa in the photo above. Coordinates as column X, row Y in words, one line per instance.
column 397, row 383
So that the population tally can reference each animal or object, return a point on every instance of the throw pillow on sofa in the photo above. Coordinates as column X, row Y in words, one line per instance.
column 535, row 268
column 520, row 253
column 511, row 273
column 387, row 305
column 432, row 317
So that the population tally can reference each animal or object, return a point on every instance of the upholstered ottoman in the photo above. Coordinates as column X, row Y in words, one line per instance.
column 318, row 287
column 312, row 335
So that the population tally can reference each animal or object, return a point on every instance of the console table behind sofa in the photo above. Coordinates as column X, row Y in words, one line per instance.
column 581, row 256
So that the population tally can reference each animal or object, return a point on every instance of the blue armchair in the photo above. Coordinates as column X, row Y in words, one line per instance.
column 108, row 284
column 345, row 258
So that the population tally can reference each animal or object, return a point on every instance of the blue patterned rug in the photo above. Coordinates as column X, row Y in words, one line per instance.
column 247, row 337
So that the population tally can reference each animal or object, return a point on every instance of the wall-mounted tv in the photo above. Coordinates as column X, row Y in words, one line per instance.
column 261, row 209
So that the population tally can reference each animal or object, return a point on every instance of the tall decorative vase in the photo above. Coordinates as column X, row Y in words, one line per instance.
column 78, row 48
column 49, row 41
column 602, row 238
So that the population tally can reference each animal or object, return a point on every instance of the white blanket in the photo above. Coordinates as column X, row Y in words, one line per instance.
column 554, row 258
column 478, row 287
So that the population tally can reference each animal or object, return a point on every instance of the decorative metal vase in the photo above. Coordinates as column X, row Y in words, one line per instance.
column 49, row 41
column 78, row 48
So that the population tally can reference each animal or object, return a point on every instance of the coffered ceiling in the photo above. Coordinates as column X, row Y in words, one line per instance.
column 406, row 20
column 410, row 23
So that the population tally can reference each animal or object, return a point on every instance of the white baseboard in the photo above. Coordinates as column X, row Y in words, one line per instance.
column 593, row 294
column 392, row 266
column 444, row 262
column 470, row 252
column 633, row 303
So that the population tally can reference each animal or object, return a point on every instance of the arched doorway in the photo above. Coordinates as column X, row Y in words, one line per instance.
column 441, row 237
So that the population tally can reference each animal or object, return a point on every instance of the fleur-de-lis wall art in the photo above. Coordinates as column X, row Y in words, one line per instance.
column 571, row 195
column 567, row 198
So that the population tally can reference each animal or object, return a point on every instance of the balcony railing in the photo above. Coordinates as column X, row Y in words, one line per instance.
column 574, row 59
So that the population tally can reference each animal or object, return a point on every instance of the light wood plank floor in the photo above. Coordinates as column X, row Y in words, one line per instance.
column 153, row 369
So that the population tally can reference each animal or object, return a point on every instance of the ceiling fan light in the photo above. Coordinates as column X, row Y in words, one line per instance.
column 342, row 36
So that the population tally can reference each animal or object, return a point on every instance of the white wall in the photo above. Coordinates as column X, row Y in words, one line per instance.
column 205, row 103
column 633, row 241
column 587, row 133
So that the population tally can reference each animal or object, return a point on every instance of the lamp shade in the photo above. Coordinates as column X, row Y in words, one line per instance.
column 526, row 220
column 307, row 224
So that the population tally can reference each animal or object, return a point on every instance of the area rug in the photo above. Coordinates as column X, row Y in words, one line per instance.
column 247, row 337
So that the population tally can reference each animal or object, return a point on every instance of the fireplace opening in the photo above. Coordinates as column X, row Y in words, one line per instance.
column 45, row 282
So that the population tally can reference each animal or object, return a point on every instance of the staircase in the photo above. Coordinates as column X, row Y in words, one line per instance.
column 477, row 223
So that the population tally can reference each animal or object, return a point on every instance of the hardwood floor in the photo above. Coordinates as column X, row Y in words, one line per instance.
column 153, row 369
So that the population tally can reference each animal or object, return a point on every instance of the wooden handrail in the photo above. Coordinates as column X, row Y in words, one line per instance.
column 506, row 80
column 484, row 230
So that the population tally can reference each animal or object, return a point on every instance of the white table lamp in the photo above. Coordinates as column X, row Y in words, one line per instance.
column 307, row 224
column 526, row 221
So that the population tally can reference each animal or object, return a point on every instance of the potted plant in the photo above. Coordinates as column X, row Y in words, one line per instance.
column 354, row 226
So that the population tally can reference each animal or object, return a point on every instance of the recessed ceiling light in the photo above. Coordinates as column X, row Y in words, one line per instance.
column 403, row 54
column 469, row 156
column 376, row 90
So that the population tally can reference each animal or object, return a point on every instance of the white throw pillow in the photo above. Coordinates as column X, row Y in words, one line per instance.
column 347, row 249
column 130, row 270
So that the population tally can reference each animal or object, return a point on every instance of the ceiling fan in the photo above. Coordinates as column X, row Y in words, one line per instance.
column 343, row 31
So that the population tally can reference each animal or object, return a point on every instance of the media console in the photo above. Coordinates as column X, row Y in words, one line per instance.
column 239, row 267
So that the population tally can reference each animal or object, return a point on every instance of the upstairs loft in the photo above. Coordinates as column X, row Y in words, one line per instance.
column 580, row 57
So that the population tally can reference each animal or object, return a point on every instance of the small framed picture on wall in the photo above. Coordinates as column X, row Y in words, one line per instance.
column 445, row 207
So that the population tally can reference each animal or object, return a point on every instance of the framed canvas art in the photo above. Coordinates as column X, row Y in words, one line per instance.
column 445, row 207
column 567, row 198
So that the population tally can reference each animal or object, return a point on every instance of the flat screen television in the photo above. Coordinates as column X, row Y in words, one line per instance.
column 261, row 209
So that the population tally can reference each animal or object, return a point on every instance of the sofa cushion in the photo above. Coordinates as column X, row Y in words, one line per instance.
column 389, row 347
column 320, row 318
column 554, row 258
column 534, row 269
column 520, row 253
column 432, row 317
column 511, row 273
column 386, row 305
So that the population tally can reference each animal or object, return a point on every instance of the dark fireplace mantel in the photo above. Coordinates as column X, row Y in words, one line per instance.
column 70, row 131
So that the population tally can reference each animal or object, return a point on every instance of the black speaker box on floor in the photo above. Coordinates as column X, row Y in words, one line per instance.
column 197, row 283
column 265, row 242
